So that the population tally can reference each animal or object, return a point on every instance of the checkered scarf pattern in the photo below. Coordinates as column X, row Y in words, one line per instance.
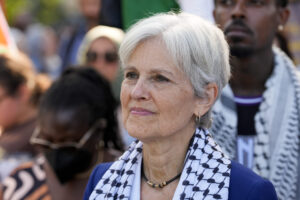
column 205, row 175
column 277, row 124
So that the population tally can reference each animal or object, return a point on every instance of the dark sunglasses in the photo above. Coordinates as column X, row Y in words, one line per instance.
column 109, row 57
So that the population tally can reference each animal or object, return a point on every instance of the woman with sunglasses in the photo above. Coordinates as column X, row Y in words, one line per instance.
column 99, row 49
column 20, row 91
column 76, row 130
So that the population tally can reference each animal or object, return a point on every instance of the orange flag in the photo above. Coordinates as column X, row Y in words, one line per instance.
column 5, row 37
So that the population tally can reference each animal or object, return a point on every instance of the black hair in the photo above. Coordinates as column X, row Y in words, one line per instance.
column 283, row 44
column 10, row 79
column 282, row 3
column 83, row 90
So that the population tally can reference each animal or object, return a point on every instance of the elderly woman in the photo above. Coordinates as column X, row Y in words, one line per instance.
column 174, row 68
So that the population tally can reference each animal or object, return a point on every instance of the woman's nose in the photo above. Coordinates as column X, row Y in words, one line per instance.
column 140, row 90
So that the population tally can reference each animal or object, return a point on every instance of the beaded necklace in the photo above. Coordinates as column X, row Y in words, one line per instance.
column 158, row 185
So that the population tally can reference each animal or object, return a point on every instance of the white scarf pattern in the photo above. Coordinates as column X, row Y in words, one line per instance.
column 276, row 148
column 205, row 176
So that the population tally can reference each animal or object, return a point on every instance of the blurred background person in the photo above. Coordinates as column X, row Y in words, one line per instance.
column 257, row 118
column 77, row 129
column 288, row 39
column 99, row 49
column 292, row 30
column 42, row 46
column 72, row 36
column 20, row 91
column 110, row 13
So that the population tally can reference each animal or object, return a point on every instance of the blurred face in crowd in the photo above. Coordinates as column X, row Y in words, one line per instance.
column 103, row 56
column 60, row 137
column 157, row 98
column 65, row 126
column 61, row 127
column 90, row 8
column 249, row 25
column 11, row 107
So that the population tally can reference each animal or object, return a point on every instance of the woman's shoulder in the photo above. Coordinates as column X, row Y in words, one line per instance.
column 101, row 169
column 245, row 184
column 96, row 175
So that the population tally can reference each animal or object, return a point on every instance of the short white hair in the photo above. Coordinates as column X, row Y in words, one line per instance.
column 197, row 47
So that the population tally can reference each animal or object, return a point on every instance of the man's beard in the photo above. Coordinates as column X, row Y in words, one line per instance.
column 241, row 52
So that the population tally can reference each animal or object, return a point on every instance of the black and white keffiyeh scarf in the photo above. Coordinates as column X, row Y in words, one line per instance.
column 276, row 147
column 205, row 175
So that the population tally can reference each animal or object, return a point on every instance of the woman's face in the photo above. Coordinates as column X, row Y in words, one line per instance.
column 60, row 138
column 61, row 127
column 104, row 58
column 90, row 8
column 157, row 98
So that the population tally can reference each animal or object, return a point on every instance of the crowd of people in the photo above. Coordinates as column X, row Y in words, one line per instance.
column 172, row 106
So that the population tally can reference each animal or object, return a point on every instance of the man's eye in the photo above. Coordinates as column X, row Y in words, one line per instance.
column 160, row 78
column 225, row 2
column 131, row 75
column 257, row 2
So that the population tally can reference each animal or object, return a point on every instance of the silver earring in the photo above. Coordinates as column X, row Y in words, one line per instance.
column 280, row 27
column 197, row 119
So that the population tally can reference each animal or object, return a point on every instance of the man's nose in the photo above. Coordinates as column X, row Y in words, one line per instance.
column 238, row 11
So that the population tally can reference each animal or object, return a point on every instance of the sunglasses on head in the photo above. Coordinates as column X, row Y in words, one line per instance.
column 109, row 57
column 36, row 140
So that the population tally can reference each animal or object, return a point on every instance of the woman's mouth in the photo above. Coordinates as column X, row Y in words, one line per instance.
column 140, row 111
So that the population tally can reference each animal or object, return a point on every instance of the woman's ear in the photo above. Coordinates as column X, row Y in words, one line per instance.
column 203, row 104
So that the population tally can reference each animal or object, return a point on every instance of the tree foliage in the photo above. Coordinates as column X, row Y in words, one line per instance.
column 44, row 11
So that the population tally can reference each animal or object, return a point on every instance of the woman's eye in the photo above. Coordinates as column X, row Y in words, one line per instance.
column 131, row 75
column 160, row 78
